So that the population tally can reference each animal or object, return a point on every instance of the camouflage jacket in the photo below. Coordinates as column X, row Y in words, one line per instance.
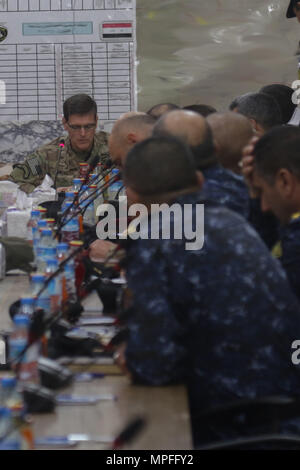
column 226, row 188
column 221, row 319
column 44, row 161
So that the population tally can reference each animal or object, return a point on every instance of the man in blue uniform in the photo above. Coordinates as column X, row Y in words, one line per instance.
column 221, row 318
column 276, row 181
column 220, row 185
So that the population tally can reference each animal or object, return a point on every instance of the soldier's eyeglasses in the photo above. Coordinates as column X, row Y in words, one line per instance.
column 87, row 127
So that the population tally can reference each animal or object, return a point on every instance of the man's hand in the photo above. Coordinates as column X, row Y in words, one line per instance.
column 101, row 249
column 65, row 189
column 247, row 166
column 120, row 359
column 4, row 178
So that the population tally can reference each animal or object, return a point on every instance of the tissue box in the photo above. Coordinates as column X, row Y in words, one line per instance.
column 17, row 220
column 8, row 194
column 38, row 198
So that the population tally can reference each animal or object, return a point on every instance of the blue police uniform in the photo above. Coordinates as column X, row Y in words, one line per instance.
column 221, row 319
column 226, row 188
column 288, row 251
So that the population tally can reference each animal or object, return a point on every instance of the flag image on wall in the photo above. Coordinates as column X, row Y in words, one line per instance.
column 53, row 49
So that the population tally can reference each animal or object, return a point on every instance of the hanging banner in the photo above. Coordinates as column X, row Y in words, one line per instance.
column 53, row 49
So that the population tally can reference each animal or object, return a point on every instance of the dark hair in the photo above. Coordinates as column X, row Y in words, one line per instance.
column 282, row 94
column 159, row 165
column 278, row 148
column 79, row 104
column 202, row 109
column 262, row 108
column 234, row 103
column 159, row 109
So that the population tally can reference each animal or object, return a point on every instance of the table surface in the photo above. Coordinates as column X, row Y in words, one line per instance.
column 165, row 409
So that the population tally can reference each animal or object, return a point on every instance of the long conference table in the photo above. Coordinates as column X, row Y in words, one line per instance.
column 165, row 409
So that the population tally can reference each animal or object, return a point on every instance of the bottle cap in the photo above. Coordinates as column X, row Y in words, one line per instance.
column 8, row 382
column 42, row 223
column 35, row 213
column 62, row 246
column 52, row 262
column 76, row 243
column 46, row 232
column 38, row 277
column 27, row 300
column 21, row 320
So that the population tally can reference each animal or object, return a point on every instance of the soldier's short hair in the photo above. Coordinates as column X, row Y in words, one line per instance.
column 79, row 104
column 159, row 165
column 162, row 108
column 278, row 148
column 282, row 94
column 262, row 108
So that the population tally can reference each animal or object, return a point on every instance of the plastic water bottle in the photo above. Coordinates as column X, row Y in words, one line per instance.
column 69, row 197
column 46, row 241
column 12, row 399
column 10, row 395
column 27, row 306
column 43, row 300
column 35, row 242
column 54, row 287
column 89, row 213
column 10, row 438
column 33, row 222
column 115, row 187
column 43, row 212
column 62, row 253
column 26, row 366
column 70, row 231
column 70, row 280
column 77, row 182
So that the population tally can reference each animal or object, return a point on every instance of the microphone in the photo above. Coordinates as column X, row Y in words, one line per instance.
column 96, row 193
column 61, row 145
column 63, row 219
column 133, row 428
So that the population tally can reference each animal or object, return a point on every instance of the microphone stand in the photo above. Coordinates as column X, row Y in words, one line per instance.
column 97, row 192
column 61, row 146
column 76, row 199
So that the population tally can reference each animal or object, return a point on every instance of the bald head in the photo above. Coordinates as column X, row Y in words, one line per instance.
column 231, row 133
column 193, row 130
column 130, row 129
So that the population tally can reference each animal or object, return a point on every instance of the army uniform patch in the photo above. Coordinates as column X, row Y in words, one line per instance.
column 35, row 166
column 3, row 33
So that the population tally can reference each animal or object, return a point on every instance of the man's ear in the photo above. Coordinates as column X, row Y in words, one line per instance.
column 286, row 182
column 200, row 179
column 131, row 138
column 64, row 123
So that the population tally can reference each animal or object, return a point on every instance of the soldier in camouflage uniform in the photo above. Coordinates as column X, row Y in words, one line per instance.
column 221, row 319
column 81, row 145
